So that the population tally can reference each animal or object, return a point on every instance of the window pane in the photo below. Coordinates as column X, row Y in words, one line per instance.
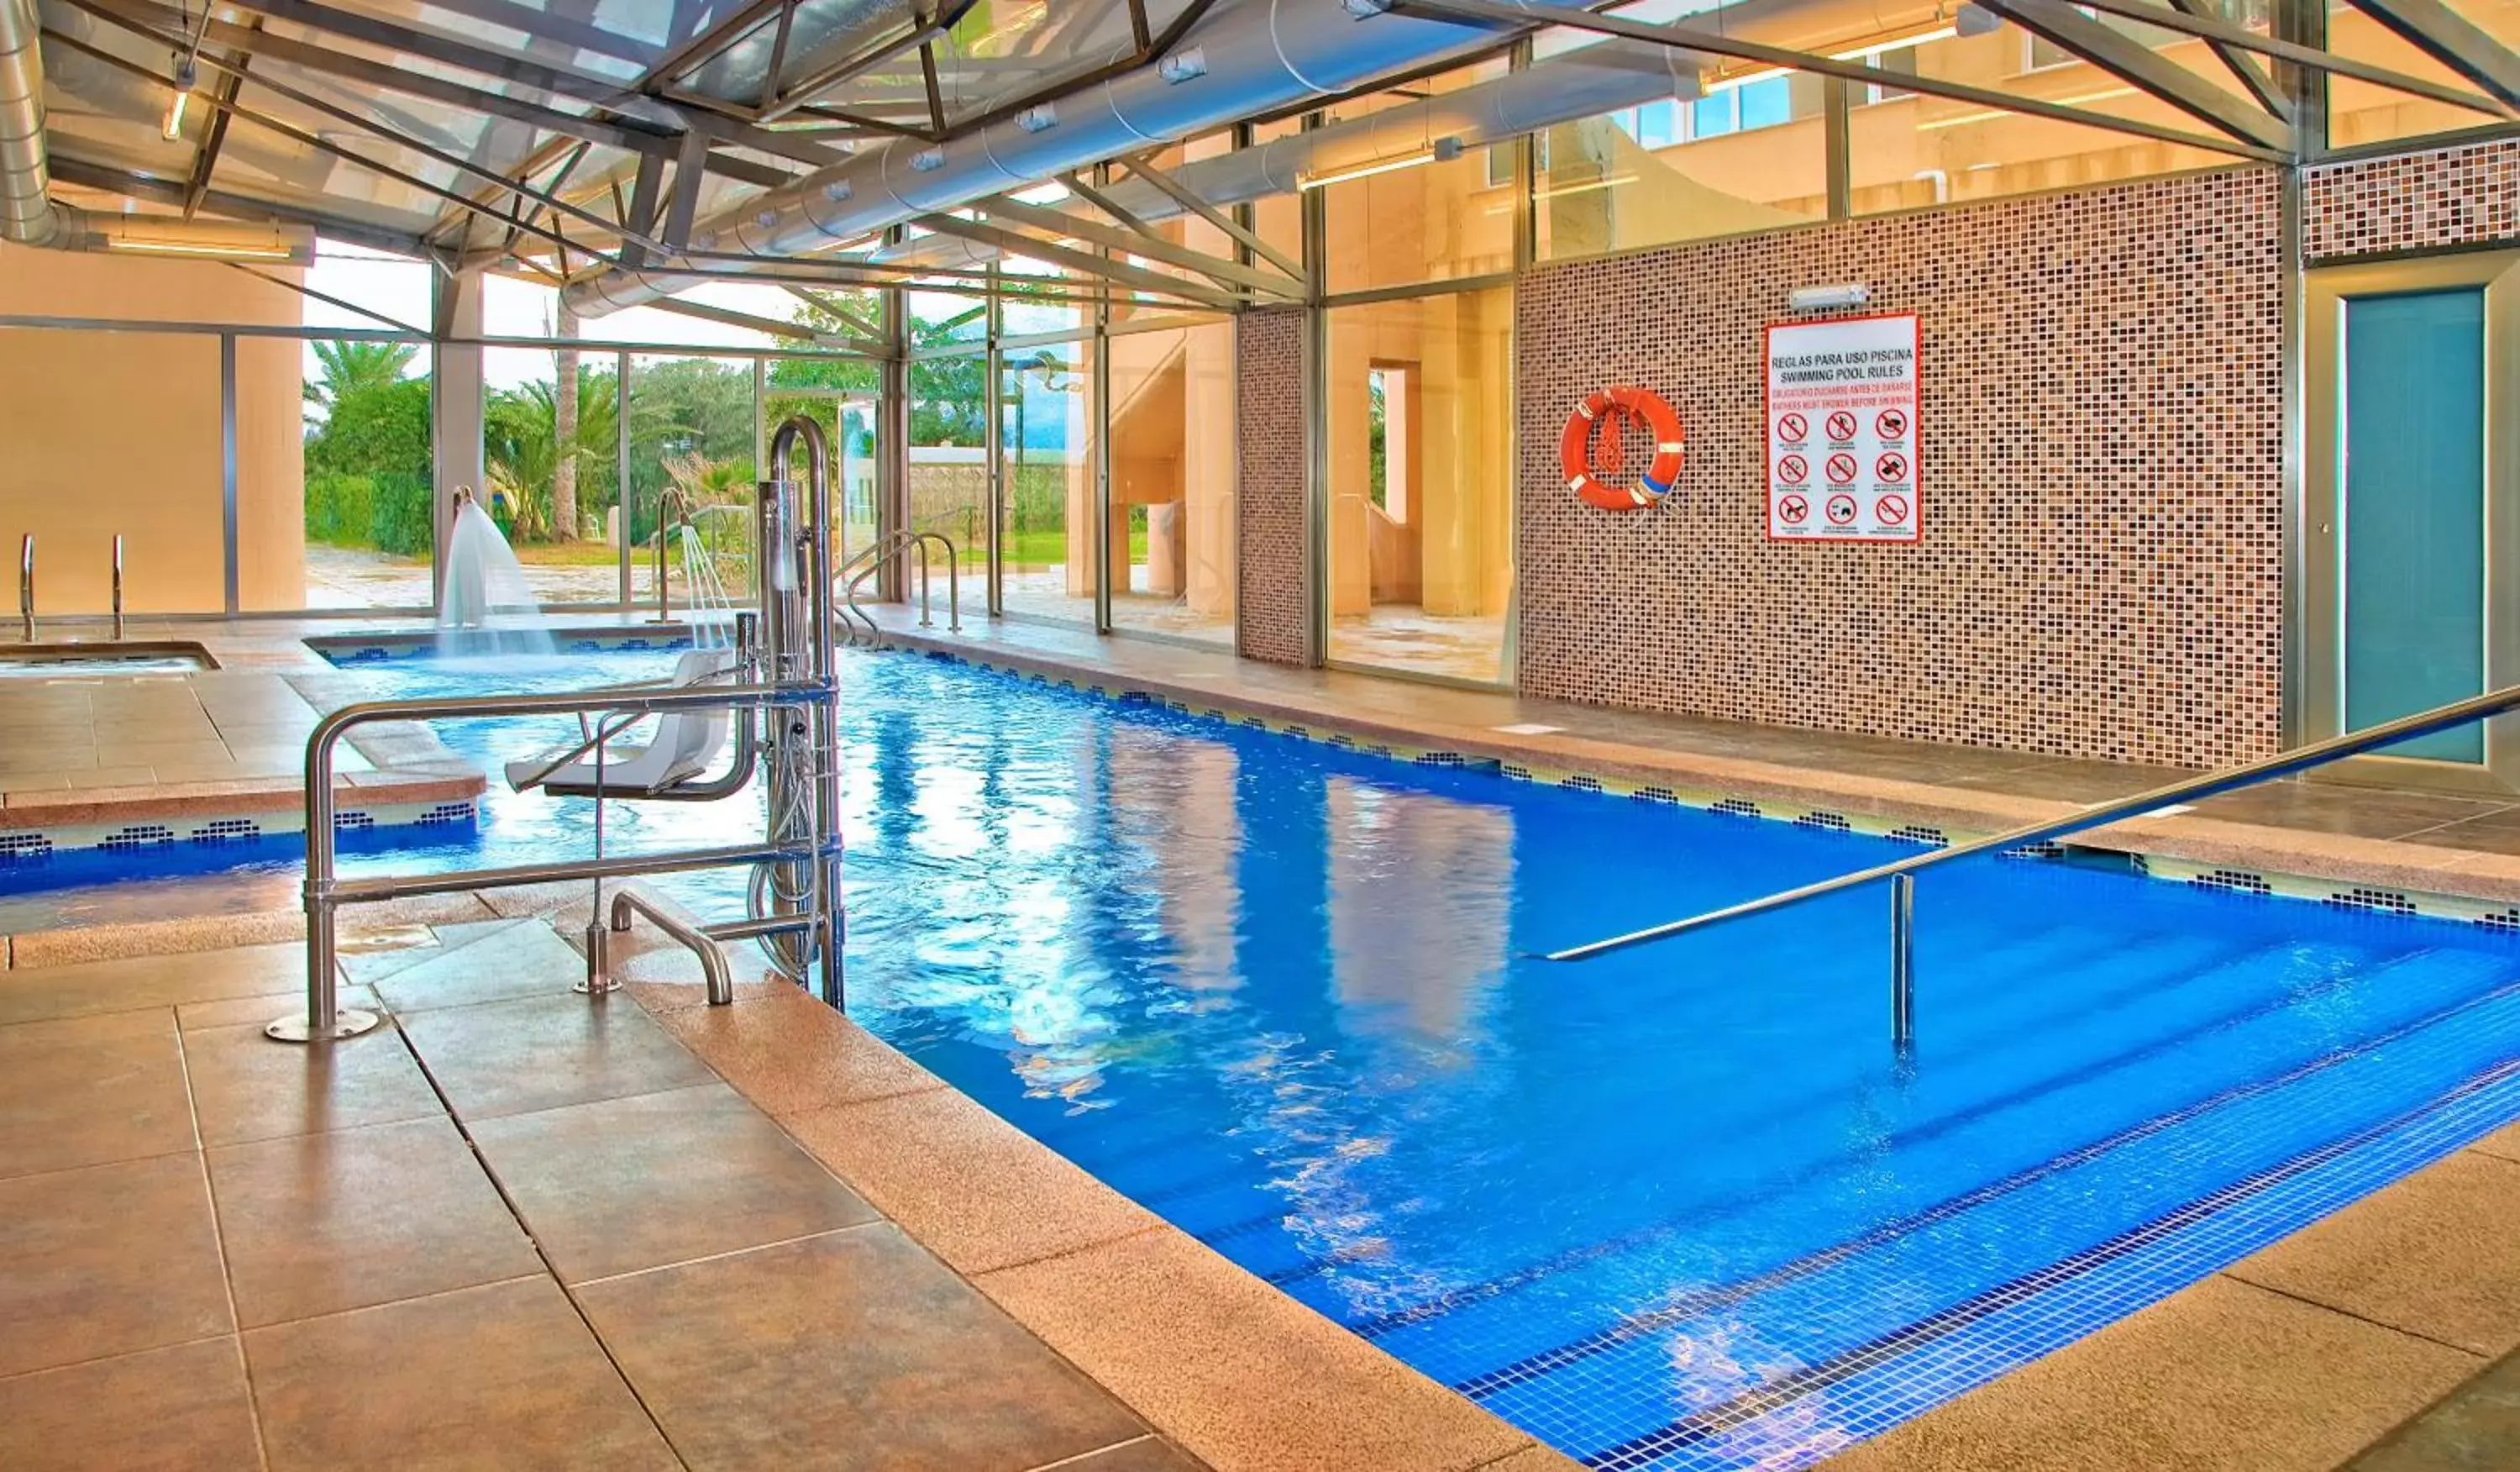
column 1044, row 429
column 2359, row 112
column 551, row 467
column 1599, row 190
column 1913, row 149
column 692, row 436
column 368, row 475
column 1172, row 480
column 1433, row 219
column 1421, row 580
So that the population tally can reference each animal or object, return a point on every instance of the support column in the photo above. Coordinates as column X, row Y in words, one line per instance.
column 455, row 402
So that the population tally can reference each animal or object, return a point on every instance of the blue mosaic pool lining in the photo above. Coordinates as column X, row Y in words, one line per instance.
column 348, row 650
column 2337, row 893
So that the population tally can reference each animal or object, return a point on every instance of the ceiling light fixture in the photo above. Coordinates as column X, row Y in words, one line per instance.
column 187, row 77
column 1442, row 149
column 223, row 251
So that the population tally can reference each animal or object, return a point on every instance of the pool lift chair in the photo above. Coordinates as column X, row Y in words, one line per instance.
column 685, row 746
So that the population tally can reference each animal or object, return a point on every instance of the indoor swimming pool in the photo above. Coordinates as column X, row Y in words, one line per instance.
column 1679, row 1207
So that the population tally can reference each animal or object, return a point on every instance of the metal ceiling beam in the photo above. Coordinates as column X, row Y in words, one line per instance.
column 848, row 317
column 1189, row 199
column 700, row 49
column 788, row 100
column 1120, row 273
column 1492, row 13
column 638, row 216
column 205, row 156
column 550, row 80
column 2243, row 66
column 421, row 84
column 327, row 298
column 936, row 89
column 311, row 140
column 73, row 171
column 793, row 331
column 1142, row 241
column 537, row 161
column 2450, row 38
column 2147, row 69
column 2241, row 38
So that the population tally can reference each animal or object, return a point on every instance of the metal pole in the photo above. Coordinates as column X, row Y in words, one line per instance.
column 325, row 1019
column 1902, row 961
column 26, row 586
column 117, row 585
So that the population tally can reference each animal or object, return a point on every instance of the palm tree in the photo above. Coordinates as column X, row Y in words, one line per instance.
column 346, row 367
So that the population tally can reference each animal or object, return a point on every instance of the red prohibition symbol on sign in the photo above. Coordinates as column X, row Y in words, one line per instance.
column 1793, row 470
column 1793, row 509
column 1841, row 426
column 1841, row 510
column 1791, row 428
column 1891, row 424
column 1891, row 510
column 1841, row 469
column 1891, row 467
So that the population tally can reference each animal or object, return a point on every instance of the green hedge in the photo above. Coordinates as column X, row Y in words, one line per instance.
column 387, row 511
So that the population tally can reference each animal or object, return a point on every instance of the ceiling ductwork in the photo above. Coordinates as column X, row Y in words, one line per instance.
column 1577, row 85
column 30, row 216
column 1248, row 57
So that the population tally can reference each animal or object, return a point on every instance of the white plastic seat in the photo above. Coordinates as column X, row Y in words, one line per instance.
column 685, row 744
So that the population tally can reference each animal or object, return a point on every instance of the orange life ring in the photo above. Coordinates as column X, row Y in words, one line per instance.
column 1616, row 406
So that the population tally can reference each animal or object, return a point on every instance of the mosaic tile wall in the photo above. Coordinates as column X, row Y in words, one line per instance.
column 2459, row 196
column 1269, row 410
column 2099, row 574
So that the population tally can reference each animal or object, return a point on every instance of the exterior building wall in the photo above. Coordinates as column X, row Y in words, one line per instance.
column 2101, row 482
column 2435, row 199
column 1269, row 501
column 118, row 432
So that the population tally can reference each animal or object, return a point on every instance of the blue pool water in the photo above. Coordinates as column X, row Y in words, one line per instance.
column 1682, row 1207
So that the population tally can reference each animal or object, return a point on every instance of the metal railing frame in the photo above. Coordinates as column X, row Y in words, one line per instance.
column 326, row 894
column 895, row 545
column 1901, row 874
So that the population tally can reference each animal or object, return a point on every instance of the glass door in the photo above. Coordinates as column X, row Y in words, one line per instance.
column 2410, row 524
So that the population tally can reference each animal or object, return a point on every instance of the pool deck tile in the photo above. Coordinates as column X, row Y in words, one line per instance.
column 90, row 1090
column 500, row 965
column 132, row 984
column 2221, row 1377
column 854, row 1349
column 2436, row 1254
column 503, row 1375
column 1242, row 1376
column 2475, row 1428
column 517, row 1057
column 980, row 1192
column 245, row 1088
column 625, row 1184
column 107, row 1260
column 321, row 1223
column 173, row 1409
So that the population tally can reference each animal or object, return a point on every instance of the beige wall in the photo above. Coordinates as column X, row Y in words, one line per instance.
column 118, row 432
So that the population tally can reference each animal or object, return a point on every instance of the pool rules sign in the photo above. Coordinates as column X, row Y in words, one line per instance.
column 1842, row 430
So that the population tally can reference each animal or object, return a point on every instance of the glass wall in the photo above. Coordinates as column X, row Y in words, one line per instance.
column 693, row 435
column 1416, row 212
column 366, row 469
column 1419, row 401
column 949, row 430
column 2361, row 112
column 1750, row 155
column 1046, row 421
column 1172, row 432
column 552, row 464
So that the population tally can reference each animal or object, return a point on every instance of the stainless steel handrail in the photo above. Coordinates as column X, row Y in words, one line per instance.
column 26, row 586
column 118, row 585
column 721, row 985
column 1901, row 873
column 893, row 544
column 325, row 893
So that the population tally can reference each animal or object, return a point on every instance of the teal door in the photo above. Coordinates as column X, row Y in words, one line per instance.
column 2413, row 452
column 2405, row 508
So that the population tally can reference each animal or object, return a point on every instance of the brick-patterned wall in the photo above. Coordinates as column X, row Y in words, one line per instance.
column 2463, row 196
column 2101, row 441
column 1269, row 421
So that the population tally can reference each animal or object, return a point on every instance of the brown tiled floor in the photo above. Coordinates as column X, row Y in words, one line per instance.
column 527, row 1231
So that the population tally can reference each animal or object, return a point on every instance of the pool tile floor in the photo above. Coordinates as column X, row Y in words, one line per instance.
column 528, row 1233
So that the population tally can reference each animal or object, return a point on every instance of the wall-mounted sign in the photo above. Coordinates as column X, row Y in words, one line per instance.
column 1842, row 430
